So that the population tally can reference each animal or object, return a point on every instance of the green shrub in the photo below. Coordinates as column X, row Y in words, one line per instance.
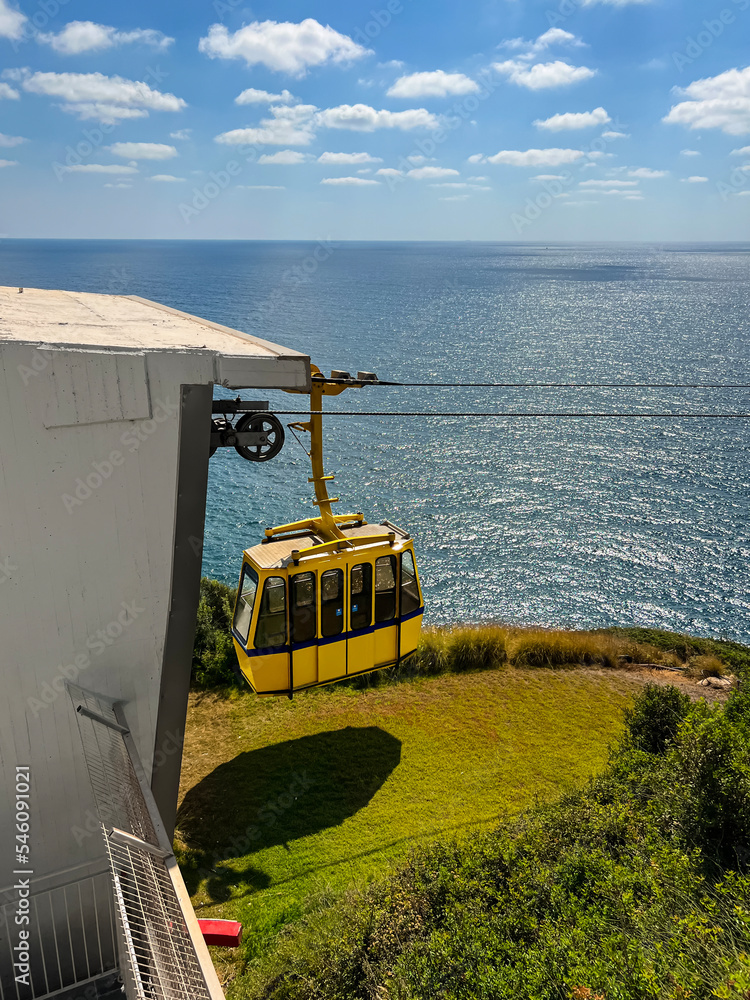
column 655, row 717
column 705, row 792
column 214, row 658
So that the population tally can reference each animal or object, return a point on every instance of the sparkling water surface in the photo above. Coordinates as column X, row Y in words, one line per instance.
column 578, row 522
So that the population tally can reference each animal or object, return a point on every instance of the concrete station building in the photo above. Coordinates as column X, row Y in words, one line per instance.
column 105, row 422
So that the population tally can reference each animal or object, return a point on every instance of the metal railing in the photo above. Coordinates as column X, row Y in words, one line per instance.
column 72, row 938
column 162, row 953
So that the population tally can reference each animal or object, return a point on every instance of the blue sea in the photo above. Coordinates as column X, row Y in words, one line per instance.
column 579, row 522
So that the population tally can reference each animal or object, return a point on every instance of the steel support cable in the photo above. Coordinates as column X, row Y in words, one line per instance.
column 539, row 385
column 504, row 413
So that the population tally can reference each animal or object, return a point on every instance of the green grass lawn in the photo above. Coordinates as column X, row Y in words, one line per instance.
column 285, row 802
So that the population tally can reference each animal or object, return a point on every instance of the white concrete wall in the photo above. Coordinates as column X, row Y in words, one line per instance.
column 86, row 541
column 88, row 482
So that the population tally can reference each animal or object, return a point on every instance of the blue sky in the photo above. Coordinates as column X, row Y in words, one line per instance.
column 395, row 119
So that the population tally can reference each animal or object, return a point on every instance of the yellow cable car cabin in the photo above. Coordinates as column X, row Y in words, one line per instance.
column 307, row 614
column 328, row 597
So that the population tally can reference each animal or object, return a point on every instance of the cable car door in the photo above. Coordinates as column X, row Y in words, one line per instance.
column 303, row 618
column 386, row 623
column 332, row 641
column 361, row 642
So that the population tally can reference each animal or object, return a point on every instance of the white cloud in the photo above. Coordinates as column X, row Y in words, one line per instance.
column 476, row 158
column 8, row 93
column 143, row 150
column 579, row 204
column 101, row 168
column 167, row 179
column 8, row 163
column 455, row 197
column 349, row 181
column 477, row 180
column 389, row 172
column 11, row 21
column 536, row 157
column 285, row 157
column 435, row 84
column 647, row 173
column 574, row 120
column 365, row 170
column 107, row 98
column 608, row 184
column 9, row 141
column 695, row 180
column 555, row 36
column 431, row 173
column 283, row 46
column 745, row 151
column 615, row 135
column 107, row 114
column 87, row 36
column 362, row 118
column 543, row 76
column 121, row 186
column 348, row 158
column 721, row 102
column 253, row 96
column 541, row 178
column 692, row 152
column 629, row 195
column 461, row 185
column 289, row 126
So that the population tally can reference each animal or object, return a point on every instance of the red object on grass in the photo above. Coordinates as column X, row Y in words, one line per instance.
column 222, row 933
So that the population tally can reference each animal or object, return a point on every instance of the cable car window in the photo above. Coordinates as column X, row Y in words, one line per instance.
column 409, row 588
column 361, row 588
column 303, row 607
column 271, row 629
column 385, row 588
column 332, row 602
column 243, row 613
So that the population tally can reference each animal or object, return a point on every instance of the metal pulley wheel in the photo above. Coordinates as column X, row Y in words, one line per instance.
column 260, row 423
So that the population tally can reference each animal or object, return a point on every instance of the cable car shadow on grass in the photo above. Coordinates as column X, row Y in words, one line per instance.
column 275, row 795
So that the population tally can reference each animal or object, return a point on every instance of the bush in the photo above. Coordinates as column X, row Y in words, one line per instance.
column 214, row 658
column 654, row 719
column 705, row 791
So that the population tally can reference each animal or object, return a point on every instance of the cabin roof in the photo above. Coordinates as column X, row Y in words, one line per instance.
column 86, row 319
column 278, row 553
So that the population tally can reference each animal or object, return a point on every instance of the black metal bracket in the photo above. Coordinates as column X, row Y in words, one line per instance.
column 257, row 435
